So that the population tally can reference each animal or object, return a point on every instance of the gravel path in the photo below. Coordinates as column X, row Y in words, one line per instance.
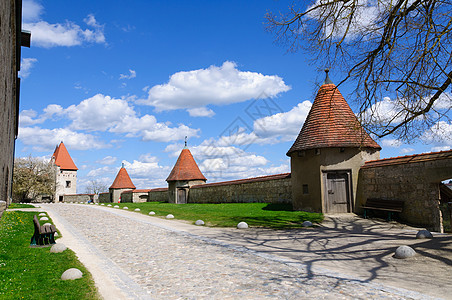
column 138, row 258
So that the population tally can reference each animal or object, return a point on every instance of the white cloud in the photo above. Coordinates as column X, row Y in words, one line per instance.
column 285, row 125
column 220, row 163
column 67, row 34
column 147, row 174
column 31, row 11
column 28, row 117
column 45, row 139
column 132, row 74
column 103, row 113
column 103, row 171
column 107, row 160
column 405, row 151
column 391, row 143
column 440, row 135
column 215, row 85
column 25, row 66
column 201, row 112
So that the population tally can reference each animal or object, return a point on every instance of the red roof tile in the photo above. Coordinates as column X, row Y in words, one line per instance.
column 63, row 159
column 246, row 180
column 331, row 123
column 159, row 190
column 136, row 191
column 408, row 159
column 185, row 168
column 122, row 180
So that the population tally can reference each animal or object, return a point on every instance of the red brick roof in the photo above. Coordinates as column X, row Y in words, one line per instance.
column 122, row 180
column 136, row 191
column 408, row 159
column 185, row 168
column 331, row 123
column 159, row 190
column 63, row 159
column 246, row 180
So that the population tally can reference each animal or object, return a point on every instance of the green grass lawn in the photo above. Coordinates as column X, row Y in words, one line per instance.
column 20, row 205
column 34, row 273
column 230, row 214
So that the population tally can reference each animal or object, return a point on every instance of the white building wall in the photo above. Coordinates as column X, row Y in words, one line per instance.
column 66, row 183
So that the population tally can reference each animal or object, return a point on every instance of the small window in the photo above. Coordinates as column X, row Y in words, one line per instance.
column 305, row 189
column 68, row 184
column 317, row 151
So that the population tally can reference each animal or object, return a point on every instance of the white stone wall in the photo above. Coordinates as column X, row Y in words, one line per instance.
column 63, row 177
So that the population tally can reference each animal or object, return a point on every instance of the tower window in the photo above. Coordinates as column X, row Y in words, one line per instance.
column 305, row 189
column 68, row 184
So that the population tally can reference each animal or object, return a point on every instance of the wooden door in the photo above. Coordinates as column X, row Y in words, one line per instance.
column 181, row 196
column 337, row 192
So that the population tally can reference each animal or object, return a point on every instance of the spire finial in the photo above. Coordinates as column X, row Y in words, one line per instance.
column 327, row 78
column 185, row 141
column 122, row 165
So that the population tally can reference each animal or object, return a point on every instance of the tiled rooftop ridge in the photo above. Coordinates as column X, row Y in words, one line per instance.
column 185, row 168
column 122, row 180
column 63, row 159
column 408, row 159
column 242, row 181
column 331, row 123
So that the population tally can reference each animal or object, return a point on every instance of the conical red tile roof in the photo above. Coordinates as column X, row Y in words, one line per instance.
column 185, row 168
column 62, row 158
column 122, row 180
column 331, row 123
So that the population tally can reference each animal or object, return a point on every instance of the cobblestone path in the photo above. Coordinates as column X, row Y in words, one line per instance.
column 158, row 263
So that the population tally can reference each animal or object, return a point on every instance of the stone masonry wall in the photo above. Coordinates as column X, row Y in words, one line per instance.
column 104, row 197
column 8, row 90
column 158, row 195
column 240, row 191
column 76, row 198
column 407, row 182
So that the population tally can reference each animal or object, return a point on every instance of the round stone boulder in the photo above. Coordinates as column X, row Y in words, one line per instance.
column 242, row 225
column 56, row 234
column 404, row 252
column 57, row 248
column 169, row 216
column 424, row 234
column 137, row 209
column 116, row 206
column 199, row 222
column 125, row 207
column 102, row 204
column 47, row 224
column 42, row 214
column 152, row 213
column 307, row 224
column 71, row 274
column 109, row 205
column 43, row 219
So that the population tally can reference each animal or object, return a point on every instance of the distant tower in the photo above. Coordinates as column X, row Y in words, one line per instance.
column 121, row 183
column 65, row 173
column 326, row 157
column 184, row 174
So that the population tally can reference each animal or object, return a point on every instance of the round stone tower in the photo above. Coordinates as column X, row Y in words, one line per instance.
column 326, row 156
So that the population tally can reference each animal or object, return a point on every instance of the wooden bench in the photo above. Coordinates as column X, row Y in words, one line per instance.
column 43, row 235
column 390, row 206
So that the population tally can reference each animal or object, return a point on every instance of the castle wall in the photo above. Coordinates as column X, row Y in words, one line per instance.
column 104, row 198
column 135, row 196
column 8, row 92
column 307, row 169
column 158, row 195
column 417, row 184
column 267, row 189
column 79, row 198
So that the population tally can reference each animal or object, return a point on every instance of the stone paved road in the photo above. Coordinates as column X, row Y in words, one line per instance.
column 138, row 259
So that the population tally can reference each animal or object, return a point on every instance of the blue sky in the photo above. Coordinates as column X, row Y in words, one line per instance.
column 126, row 81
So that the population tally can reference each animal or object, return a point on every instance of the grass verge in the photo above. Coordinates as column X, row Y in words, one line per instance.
column 20, row 205
column 276, row 216
column 34, row 273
